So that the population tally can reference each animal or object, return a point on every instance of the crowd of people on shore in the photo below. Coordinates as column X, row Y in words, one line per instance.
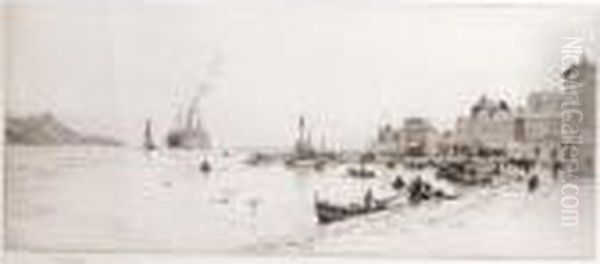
column 474, row 171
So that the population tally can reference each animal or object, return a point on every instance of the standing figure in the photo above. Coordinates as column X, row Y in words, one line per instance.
column 533, row 183
column 369, row 202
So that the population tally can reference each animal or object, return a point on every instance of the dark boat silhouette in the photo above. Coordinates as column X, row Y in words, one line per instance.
column 189, row 132
column 328, row 212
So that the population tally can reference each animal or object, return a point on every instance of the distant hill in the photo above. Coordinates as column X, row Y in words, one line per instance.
column 45, row 129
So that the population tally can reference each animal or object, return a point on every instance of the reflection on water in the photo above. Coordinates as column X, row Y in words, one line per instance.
column 99, row 199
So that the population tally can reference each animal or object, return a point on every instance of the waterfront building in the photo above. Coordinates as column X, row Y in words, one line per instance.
column 537, row 126
column 531, row 131
column 416, row 137
column 419, row 137
column 388, row 140
column 579, row 85
column 447, row 144
column 490, row 124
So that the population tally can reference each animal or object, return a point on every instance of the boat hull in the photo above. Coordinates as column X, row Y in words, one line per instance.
column 328, row 213
column 188, row 140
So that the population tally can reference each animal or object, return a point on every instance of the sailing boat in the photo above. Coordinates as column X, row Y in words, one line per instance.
column 303, row 147
column 148, row 141
column 304, row 154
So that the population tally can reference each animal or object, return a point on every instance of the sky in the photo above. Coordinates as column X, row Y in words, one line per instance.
column 106, row 67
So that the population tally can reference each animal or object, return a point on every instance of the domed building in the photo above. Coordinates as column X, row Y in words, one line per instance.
column 490, row 123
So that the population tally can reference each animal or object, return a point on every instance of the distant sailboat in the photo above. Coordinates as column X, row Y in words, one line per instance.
column 303, row 147
column 148, row 141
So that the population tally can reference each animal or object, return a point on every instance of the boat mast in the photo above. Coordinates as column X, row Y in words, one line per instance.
column 301, row 130
column 148, row 142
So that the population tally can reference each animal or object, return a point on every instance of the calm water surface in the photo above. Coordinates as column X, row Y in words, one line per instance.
column 119, row 199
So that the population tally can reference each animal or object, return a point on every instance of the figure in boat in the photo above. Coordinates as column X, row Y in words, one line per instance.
column 330, row 212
